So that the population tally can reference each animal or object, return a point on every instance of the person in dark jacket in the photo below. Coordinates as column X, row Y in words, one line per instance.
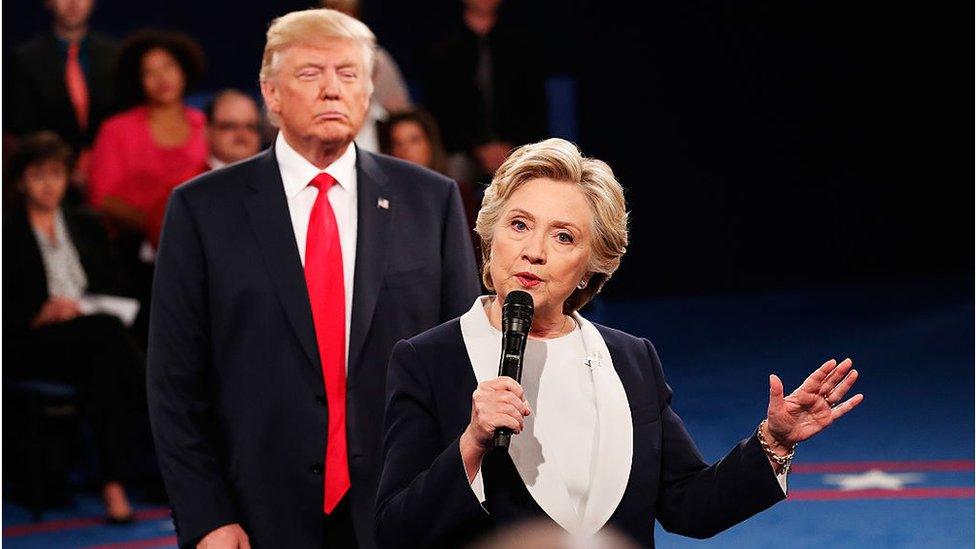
column 56, row 257
column 597, row 444
column 63, row 81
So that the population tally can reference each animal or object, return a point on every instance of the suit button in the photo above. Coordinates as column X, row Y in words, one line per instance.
column 316, row 468
column 321, row 399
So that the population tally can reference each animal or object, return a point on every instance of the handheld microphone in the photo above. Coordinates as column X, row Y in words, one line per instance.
column 516, row 320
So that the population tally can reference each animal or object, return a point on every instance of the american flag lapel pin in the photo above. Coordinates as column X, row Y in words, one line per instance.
column 383, row 203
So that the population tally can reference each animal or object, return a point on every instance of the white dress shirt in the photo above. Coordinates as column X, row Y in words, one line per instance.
column 296, row 174
column 555, row 373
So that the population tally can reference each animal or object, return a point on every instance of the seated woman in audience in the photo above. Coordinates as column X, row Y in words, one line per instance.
column 140, row 154
column 413, row 136
column 53, row 256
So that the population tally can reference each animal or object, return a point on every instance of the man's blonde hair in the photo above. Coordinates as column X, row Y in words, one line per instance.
column 560, row 160
column 313, row 27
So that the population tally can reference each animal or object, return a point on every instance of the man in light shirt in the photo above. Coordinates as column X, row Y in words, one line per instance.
column 282, row 283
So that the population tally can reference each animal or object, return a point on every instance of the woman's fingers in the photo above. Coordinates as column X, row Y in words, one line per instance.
column 846, row 406
column 837, row 393
column 505, row 383
column 815, row 380
column 499, row 420
column 775, row 393
column 836, row 376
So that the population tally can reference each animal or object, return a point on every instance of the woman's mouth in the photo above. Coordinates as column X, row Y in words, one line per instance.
column 527, row 279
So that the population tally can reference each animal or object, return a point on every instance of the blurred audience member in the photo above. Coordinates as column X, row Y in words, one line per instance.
column 63, row 80
column 55, row 256
column 389, row 91
column 485, row 90
column 142, row 153
column 233, row 128
column 413, row 136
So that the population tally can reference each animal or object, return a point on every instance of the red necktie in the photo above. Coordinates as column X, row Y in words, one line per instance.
column 326, row 293
column 74, row 80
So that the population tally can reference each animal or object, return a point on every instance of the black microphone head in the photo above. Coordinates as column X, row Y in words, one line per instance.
column 517, row 310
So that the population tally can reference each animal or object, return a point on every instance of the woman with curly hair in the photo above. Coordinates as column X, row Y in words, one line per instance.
column 142, row 153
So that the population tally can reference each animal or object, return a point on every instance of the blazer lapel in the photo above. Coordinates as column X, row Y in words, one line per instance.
column 541, row 478
column 372, row 246
column 611, row 470
column 267, row 210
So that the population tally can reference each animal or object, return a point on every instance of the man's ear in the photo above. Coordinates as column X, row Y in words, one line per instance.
column 269, row 90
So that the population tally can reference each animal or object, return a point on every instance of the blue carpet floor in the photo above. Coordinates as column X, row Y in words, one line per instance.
column 896, row 472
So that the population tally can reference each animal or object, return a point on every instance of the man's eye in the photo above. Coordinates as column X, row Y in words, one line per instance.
column 348, row 75
column 308, row 74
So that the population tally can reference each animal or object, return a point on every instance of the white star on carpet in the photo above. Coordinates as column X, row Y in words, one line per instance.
column 874, row 478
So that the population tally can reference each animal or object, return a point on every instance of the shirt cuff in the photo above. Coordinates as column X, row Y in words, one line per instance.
column 478, row 487
column 780, row 478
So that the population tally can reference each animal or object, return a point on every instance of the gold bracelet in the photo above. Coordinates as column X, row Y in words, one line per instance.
column 782, row 462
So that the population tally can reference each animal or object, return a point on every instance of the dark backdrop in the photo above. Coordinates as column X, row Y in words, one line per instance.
column 762, row 143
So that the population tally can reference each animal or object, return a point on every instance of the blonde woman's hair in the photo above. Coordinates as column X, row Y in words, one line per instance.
column 312, row 27
column 560, row 160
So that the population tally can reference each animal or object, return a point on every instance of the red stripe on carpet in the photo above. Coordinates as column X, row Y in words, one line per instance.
column 876, row 493
column 168, row 541
column 82, row 522
column 859, row 466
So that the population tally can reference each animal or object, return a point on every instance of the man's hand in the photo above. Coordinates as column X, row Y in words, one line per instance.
column 229, row 536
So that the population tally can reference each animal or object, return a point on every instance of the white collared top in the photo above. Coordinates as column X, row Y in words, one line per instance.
column 575, row 451
column 296, row 174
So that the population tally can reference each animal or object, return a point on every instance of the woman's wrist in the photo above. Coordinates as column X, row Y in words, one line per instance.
column 471, row 454
column 780, row 456
column 772, row 442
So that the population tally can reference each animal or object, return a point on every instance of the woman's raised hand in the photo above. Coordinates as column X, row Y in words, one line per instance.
column 813, row 406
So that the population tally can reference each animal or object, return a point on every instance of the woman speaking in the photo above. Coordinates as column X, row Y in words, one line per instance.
column 597, row 443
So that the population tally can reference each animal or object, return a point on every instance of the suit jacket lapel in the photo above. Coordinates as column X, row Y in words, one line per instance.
column 612, row 462
column 372, row 245
column 267, row 210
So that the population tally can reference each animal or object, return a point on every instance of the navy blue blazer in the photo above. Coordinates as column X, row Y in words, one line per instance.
column 424, row 498
column 236, row 394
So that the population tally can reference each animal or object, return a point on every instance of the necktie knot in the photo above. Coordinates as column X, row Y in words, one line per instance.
column 323, row 182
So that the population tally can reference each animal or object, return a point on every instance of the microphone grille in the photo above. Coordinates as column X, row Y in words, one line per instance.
column 518, row 297
column 518, row 304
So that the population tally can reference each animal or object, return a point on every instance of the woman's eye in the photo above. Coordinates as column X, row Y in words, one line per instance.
column 519, row 225
column 565, row 238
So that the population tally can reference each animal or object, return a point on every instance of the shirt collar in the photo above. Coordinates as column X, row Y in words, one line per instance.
column 297, row 172
column 215, row 163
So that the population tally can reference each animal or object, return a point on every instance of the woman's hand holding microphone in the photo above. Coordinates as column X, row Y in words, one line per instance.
column 498, row 402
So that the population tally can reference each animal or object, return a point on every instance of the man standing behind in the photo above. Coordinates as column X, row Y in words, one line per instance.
column 282, row 283
column 233, row 128
column 63, row 81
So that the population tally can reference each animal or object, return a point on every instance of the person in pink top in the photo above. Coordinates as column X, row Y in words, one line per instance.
column 142, row 153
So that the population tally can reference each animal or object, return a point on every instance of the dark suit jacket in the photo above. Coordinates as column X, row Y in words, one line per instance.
column 236, row 395
column 24, row 281
column 39, row 98
column 425, row 500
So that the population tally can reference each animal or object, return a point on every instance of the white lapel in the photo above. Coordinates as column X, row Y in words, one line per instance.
column 611, row 470
column 540, row 476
